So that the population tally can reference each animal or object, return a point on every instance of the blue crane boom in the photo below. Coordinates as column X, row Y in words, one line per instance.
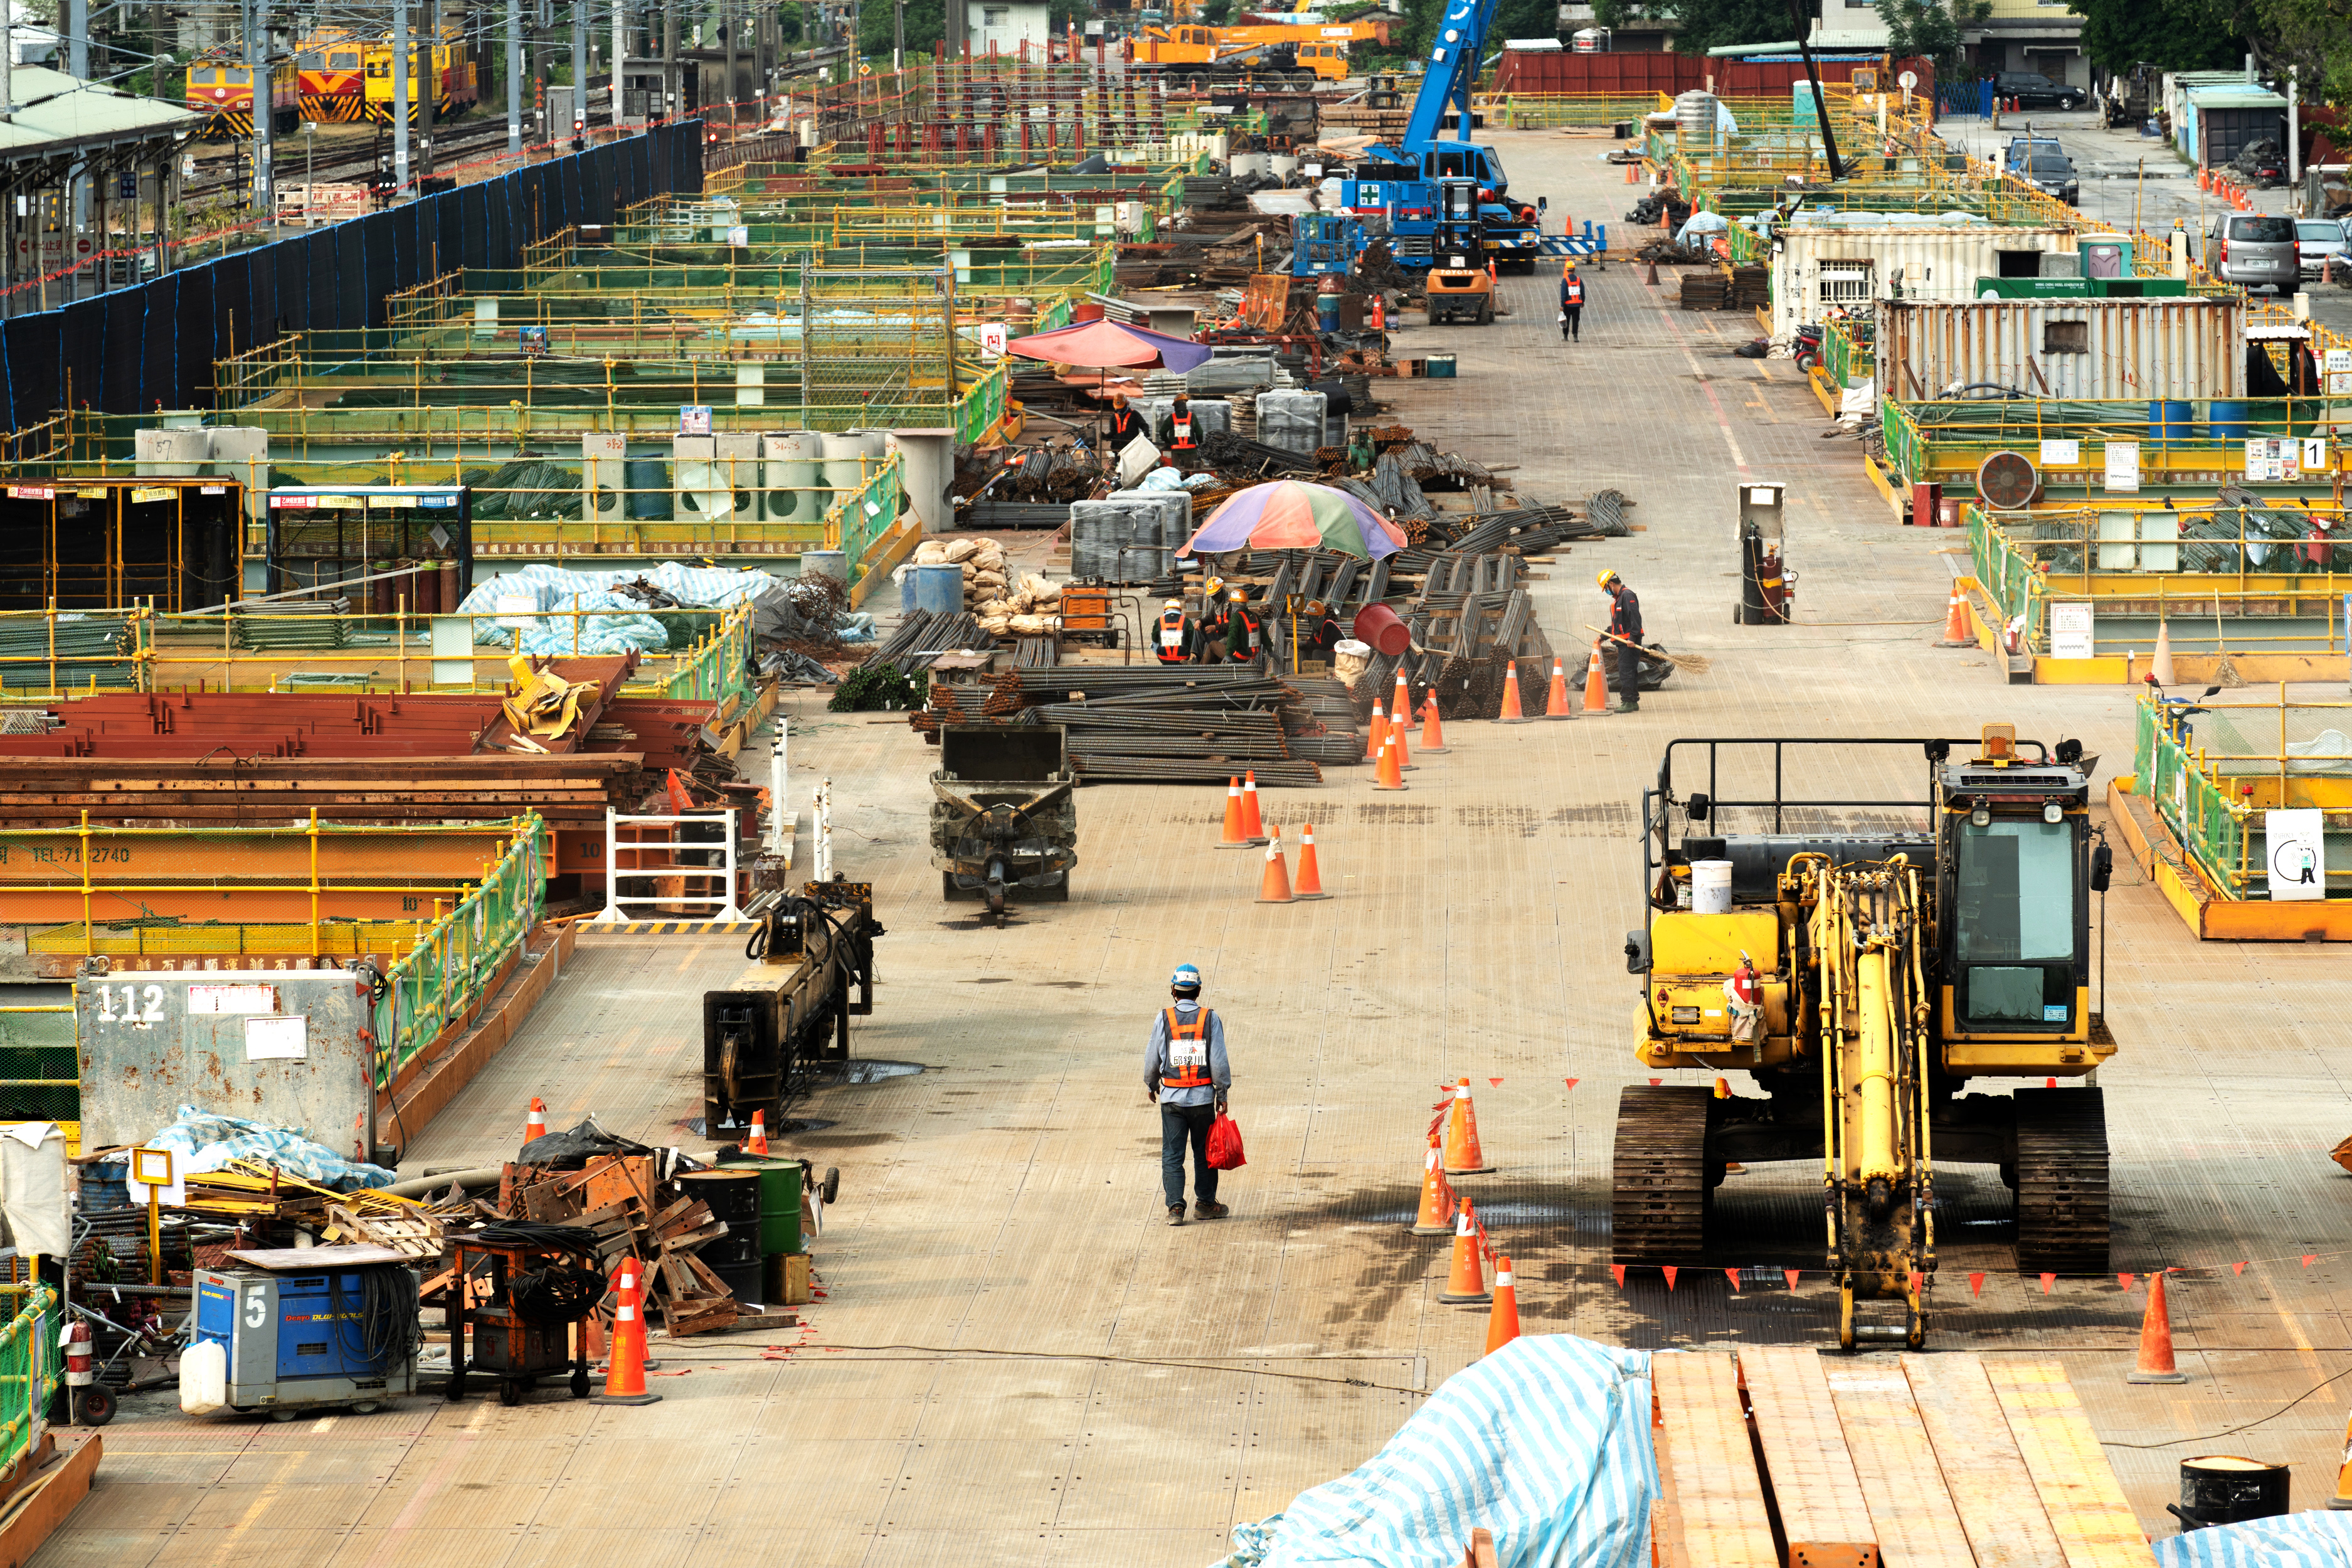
column 1453, row 70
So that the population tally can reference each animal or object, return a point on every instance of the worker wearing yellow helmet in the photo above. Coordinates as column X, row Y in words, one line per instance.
column 1208, row 632
column 1171, row 637
column 1625, row 636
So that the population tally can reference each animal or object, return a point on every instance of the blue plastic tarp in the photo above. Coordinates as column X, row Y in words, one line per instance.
column 1545, row 1443
column 2316, row 1539
column 203, row 1140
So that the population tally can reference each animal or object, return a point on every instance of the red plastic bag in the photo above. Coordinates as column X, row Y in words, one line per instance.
column 1225, row 1144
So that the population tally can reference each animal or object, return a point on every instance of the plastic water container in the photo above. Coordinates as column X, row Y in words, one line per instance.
column 2171, row 424
column 1441, row 367
column 939, row 588
column 1710, row 887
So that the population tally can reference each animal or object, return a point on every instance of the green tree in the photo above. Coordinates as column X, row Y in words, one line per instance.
column 2313, row 35
column 2171, row 34
column 1925, row 30
column 1712, row 24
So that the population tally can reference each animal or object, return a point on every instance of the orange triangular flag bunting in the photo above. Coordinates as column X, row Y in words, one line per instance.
column 1655, row 1082
column 2047, row 1281
column 1976, row 1284
column 2309, row 1258
column 1732, row 1274
column 1618, row 1270
column 2236, row 1268
column 1669, row 1270
column 1792, row 1273
column 1495, row 1082
column 2126, row 1280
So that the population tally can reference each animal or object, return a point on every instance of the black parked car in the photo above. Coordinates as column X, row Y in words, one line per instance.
column 2030, row 90
column 2053, row 176
column 2262, row 162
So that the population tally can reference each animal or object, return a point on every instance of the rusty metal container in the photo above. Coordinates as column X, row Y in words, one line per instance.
column 2140, row 350
column 1851, row 265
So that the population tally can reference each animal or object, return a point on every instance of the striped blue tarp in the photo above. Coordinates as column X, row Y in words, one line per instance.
column 2316, row 1539
column 1545, row 1443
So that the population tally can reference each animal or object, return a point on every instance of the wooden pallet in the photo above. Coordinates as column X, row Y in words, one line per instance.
column 1775, row 1458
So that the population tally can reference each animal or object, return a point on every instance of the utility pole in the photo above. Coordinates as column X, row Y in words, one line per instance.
column 514, row 77
column 669, row 70
column 429, row 90
column 265, row 105
column 580, row 73
column 78, row 67
column 898, row 35
column 726, row 27
column 620, row 53
column 399, row 99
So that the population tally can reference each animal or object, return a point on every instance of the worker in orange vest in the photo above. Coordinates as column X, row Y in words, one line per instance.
column 1571, row 302
column 1186, row 1074
column 1173, row 637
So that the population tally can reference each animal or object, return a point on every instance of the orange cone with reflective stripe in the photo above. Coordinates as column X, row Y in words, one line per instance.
column 1310, row 874
column 1556, row 701
column 624, row 1373
column 1503, row 1322
column 1401, row 736
column 1463, row 1157
column 1466, row 1280
column 1389, row 776
column 534, row 1121
column 1433, row 733
column 2343, row 1498
column 1401, row 703
column 1234, row 838
column 1510, row 713
column 1378, row 735
column 1956, row 623
column 1274, row 886
column 2156, row 1363
column 1252, row 827
column 1435, row 1216
column 757, row 1142
column 1596, row 684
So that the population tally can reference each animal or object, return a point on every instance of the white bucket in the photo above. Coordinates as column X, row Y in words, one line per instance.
column 1710, row 887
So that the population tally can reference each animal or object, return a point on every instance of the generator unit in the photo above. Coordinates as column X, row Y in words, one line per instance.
column 286, row 1329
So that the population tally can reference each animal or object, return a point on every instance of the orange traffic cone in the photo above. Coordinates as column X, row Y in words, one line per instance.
column 1955, row 622
column 1234, row 838
column 1503, row 1322
column 1379, row 320
column 2343, row 1498
column 534, row 1122
column 1252, row 827
column 757, row 1142
column 2162, row 665
column 1433, row 733
column 1310, row 875
column 1274, row 886
column 1629, row 171
column 1435, row 1216
column 1556, row 701
column 1596, row 684
column 1378, row 735
column 1466, row 1280
column 624, row 1374
column 1463, row 1157
column 1510, row 713
column 1401, row 737
column 2156, row 1364
column 1389, row 776
column 1401, row 704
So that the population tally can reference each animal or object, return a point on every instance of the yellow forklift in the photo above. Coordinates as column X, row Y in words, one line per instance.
column 1861, row 961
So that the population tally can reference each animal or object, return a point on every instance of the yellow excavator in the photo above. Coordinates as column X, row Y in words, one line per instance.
column 1861, row 970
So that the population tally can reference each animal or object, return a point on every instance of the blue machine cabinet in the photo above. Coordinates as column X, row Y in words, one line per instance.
column 312, row 1326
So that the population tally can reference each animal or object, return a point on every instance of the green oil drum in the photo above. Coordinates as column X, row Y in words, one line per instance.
column 779, row 1198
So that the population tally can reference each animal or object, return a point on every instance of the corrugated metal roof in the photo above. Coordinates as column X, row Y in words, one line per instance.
column 2235, row 97
column 55, row 111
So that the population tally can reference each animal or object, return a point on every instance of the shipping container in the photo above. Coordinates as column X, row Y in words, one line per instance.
column 1850, row 266
column 2076, row 349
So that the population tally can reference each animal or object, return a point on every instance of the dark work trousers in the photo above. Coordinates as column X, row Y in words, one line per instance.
column 1178, row 1125
column 1629, row 675
column 1570, row 328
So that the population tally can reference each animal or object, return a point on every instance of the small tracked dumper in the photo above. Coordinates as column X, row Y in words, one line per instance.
column 1003, row 817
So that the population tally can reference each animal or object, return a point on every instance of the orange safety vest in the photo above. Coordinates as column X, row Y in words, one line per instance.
column 1183, row 430
column 1171, row 637
column 1572, row 291
column 1188, row 1052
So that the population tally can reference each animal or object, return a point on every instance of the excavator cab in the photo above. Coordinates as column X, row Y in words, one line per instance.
column 1860, row 959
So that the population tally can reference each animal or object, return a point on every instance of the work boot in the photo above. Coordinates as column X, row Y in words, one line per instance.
column 1210, row 1211
column 1175, row 1213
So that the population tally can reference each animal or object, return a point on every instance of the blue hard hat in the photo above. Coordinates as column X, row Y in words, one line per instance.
column 1185, row 975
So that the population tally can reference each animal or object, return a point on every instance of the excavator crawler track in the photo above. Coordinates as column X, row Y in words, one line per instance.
column 1660, row 1197
column 2061, row 1181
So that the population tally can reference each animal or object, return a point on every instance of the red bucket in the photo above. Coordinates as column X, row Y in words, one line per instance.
column 1377, row 624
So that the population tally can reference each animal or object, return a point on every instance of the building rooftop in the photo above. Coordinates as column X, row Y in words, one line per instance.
column 55, row 113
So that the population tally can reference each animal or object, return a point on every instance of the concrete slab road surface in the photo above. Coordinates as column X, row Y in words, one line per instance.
column 1015, row 1358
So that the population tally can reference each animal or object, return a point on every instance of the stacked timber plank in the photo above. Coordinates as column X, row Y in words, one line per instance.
column 1947, row 1461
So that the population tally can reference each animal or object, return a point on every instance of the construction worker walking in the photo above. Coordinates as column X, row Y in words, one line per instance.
column 1571, row 302
column 1185, row 1073
column 1626, row 623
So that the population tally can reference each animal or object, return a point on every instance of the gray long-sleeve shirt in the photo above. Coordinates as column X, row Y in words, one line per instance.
column 1155, row 1059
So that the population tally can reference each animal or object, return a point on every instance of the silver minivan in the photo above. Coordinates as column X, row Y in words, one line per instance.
column 2253, row 250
